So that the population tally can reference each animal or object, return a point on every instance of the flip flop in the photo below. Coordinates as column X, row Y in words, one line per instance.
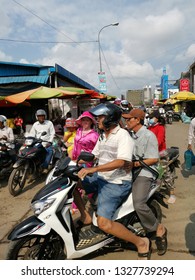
column 146, row 255
column 161, row 243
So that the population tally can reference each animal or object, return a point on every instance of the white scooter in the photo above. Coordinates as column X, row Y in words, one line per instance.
column 51, row 233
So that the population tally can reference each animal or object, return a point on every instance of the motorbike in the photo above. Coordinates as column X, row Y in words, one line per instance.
column 169, row 161
column 8, row 156
column 176, row 116
column 52, row 233
column 30, row 157
column 169, row 117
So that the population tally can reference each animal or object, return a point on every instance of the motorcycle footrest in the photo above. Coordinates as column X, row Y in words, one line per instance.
column 87, row 237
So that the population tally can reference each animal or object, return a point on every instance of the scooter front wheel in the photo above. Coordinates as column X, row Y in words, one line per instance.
column 36, row 247
column 17, row 180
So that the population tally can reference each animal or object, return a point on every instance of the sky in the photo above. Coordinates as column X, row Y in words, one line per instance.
column 151, row 35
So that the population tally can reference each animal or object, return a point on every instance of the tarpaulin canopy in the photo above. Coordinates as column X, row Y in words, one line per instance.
column 183, row 95
column 46, row 93
column 5, row 103
column 171, row 101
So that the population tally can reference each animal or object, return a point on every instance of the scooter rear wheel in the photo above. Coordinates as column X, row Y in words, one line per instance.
column 36, row 247
column 17, row 180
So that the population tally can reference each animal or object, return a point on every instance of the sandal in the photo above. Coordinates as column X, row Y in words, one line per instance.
column 80, row 224
column 161, row 243
column 146, row 255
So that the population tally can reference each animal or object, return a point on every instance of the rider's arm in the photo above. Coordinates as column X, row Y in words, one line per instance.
column 148, row 161
column 115, row 164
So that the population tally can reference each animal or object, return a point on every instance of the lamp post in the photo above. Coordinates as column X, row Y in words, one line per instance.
column 112, row 24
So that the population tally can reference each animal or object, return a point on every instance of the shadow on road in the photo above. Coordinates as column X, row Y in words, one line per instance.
column 190, row 235
column 3, row 183
column 30, row 186
column 187, row 173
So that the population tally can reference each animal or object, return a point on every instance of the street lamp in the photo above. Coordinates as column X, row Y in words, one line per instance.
column 112, row 24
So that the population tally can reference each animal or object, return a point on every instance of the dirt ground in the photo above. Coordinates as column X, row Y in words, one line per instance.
column 179, row 218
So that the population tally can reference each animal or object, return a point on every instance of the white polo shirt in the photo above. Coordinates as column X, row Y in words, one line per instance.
column 38, row 128
column 118, row 145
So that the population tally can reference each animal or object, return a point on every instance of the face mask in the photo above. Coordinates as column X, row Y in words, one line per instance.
column 151, row 122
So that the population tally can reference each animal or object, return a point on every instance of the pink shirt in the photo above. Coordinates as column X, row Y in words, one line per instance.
column 84, row 143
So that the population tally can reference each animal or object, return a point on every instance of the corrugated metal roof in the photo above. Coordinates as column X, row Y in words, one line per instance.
column 72, row 77
column 23, row 79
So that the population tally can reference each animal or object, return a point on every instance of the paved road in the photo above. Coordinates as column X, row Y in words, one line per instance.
column 179, row 218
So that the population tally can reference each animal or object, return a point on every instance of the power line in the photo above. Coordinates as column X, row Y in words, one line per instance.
column 53, row 27
column 45, row 42
column 30, row 11
column 109, row 69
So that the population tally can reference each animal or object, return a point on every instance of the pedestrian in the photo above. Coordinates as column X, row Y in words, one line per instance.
column 40, row 126
column 191, row 134
column 110, row 179
column 146, row 147
column 18, row 121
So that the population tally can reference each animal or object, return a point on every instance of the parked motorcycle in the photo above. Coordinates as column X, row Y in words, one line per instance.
column 51, row 233
column 29, row 159
column 169, row 117
column 8, row 157
column 169, row 161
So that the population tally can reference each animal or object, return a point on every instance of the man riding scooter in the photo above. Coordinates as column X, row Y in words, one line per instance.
column 40, row 126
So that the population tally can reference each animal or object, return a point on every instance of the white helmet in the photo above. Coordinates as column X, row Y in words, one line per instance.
column 41, row 112
column 3, row 119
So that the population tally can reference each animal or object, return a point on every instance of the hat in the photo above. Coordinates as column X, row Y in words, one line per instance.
column 155, row 114
column 86, row 114
column 134, row 113
column 70, row 122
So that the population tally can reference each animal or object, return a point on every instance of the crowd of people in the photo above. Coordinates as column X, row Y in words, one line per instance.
column 117, row 135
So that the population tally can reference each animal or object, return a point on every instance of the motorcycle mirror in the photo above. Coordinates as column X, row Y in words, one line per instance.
column 86, row 156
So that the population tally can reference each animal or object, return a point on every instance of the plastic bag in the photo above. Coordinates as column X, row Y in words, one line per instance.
column 189, row 158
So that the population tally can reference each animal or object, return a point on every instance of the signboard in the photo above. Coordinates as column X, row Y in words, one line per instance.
column 184, row 85
column 102, row 82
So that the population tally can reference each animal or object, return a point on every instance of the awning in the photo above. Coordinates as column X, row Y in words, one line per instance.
column 24, row 79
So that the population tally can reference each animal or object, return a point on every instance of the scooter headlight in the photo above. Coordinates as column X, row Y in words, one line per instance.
column 40, row 206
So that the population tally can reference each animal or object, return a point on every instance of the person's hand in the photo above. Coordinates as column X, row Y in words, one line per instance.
column 48, row 145
column 189, row 147
column 68, row 144
column 4, row 138
column 84, row 172
column 128, row 166
column 69, row 134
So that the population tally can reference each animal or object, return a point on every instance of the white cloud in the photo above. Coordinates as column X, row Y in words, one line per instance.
column 150, row 35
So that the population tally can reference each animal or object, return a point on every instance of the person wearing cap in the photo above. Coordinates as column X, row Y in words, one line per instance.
column 86, row 137
column 110, row 180
column 146, row 146
column 157, row 126
column 69, row 134
column 6, row 133
column 40, row 126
